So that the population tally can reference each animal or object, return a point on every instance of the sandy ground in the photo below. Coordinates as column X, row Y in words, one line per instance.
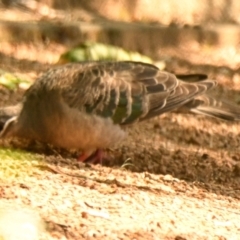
column 175, row 177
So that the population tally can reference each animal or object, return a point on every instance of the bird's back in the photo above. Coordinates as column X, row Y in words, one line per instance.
column 69, row 103
column 123, row 91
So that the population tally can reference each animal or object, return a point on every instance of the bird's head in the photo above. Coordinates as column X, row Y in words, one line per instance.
column 9, row 128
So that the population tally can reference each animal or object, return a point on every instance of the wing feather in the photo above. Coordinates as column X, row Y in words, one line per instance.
column 125, row 91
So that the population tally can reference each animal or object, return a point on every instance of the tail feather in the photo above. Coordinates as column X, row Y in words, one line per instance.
column 209, row 106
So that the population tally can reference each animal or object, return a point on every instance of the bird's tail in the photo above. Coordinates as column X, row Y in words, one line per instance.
column 210, row 106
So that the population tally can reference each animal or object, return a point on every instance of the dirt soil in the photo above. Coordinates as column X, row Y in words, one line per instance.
column 175, row 177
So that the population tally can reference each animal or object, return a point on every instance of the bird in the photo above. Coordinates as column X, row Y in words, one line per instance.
column 86, row 105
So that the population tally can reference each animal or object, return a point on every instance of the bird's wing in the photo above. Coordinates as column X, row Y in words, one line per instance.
column 128, row 91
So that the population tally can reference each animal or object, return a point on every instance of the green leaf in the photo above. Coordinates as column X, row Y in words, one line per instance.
column 90, row 51
column 10, row 80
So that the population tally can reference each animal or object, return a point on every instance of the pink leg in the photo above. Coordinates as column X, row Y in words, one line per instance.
column 94, row 158
column 83, row 157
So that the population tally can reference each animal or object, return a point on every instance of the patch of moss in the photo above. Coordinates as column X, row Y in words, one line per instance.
column 18, row 163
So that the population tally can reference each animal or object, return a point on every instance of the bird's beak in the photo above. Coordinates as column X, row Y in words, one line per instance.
column 8, row 128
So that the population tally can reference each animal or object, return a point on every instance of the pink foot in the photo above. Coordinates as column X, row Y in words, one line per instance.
column 94, row 158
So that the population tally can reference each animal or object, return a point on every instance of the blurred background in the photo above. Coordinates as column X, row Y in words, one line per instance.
column 185, row 36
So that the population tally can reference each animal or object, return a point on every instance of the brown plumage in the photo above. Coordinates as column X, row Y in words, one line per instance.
column 83, row 105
